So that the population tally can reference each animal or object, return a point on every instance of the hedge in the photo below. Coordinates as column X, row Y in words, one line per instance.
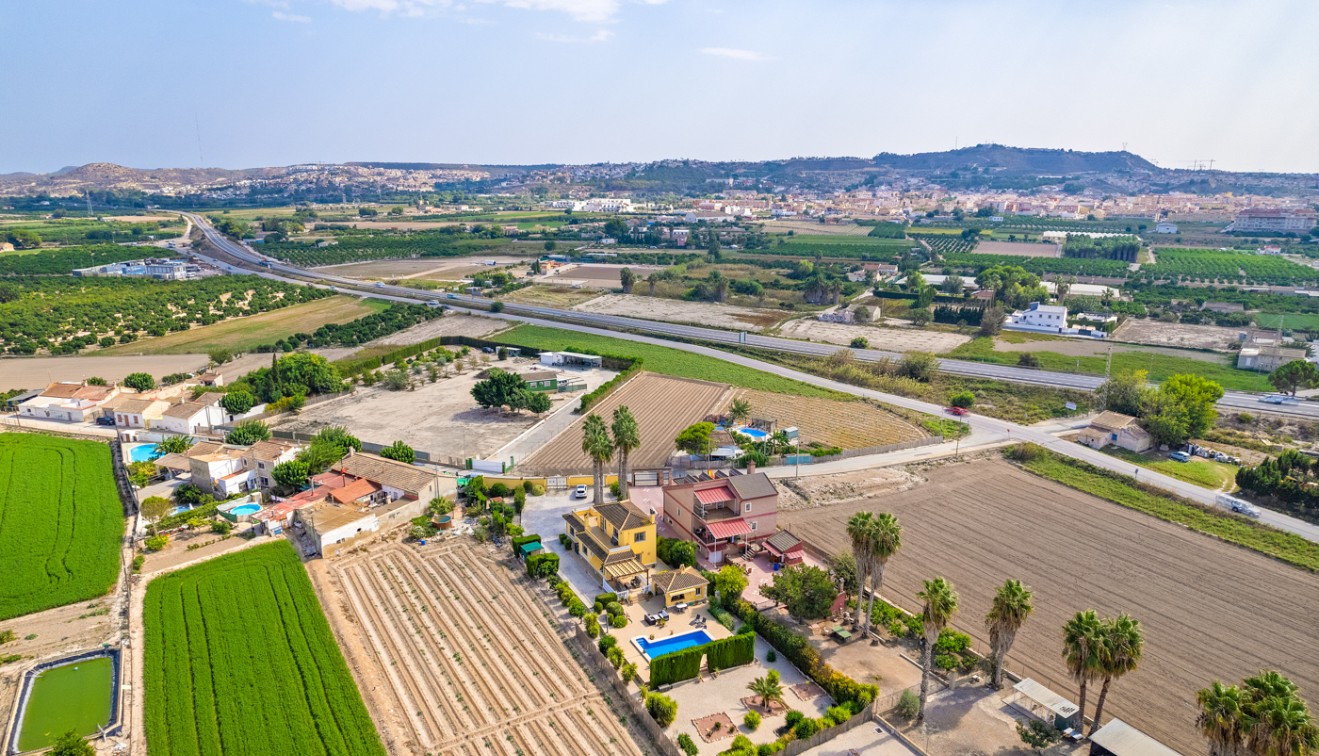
column 676, row 667
column 543, row 565
column 798, row 650
column 730, row 652
column 604, row 599
column 518, row 541
column 349, row 366
column 606, row 388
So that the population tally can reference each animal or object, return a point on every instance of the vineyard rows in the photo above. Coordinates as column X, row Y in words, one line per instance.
column 1210, row 265
column 60, row 522
column 1067, row 266
column 856, row 248
column 240, row 659
column 946, row 244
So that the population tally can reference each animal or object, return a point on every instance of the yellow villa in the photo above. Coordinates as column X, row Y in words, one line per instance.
column 618, row 541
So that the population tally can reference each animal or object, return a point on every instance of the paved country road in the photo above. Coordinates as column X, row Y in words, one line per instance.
column 985, row 427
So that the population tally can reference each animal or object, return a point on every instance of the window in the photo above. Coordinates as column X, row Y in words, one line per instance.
column 746, row 506
column 753, row 525
column 639, row 537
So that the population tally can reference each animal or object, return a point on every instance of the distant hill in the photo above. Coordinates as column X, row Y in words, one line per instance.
column 1019, row 160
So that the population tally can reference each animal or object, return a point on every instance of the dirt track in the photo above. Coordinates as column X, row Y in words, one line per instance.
column 663, row 406
column 1210, row 610
column 455, row 656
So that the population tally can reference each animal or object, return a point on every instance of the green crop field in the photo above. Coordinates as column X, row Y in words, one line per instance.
column 61, row 522
column 659, row 359
column 1292, row 321
column 1211, row 265
column 240, row 659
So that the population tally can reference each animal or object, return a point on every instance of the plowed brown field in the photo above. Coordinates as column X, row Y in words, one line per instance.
column 1210, row 610
column 456, row 657
column 663, row 406
column 851, row 425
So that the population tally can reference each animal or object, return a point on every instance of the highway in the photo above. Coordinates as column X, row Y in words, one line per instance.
column 984, row 426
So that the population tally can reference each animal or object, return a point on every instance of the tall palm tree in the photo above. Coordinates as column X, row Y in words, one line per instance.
column 767, row 687
column 885, row 540
column 1222, row 720
column 1277, row 720
column 1012, row 605
column 739, row 411
column 1081, row 638
column 940, row 605
column 627, row 438
column 859, row 528
column 600, row 448
column 1121, row 647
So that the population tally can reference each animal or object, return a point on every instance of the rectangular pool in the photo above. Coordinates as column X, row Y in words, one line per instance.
column 659, row 647
column 76, row 696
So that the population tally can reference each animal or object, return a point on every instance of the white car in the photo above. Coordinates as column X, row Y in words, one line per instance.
column 579, row 492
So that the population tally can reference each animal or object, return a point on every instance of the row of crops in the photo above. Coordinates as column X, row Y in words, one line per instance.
column 60, row 522
column 840, row 247
column 946, row 244
column 67, row 259
column 240, row 659
column 1063, row 266
column 1210, row 266
column 380, row 246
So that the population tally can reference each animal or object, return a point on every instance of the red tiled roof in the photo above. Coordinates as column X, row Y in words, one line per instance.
column 354, row 491
column 714, row 495
column 729, row 528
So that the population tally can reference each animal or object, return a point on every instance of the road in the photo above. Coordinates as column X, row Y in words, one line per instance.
column 985, row 428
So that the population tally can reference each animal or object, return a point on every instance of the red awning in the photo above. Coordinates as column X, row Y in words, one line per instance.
column 714, row 495
column 729, row 528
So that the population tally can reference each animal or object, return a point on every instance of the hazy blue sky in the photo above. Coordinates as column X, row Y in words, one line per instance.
column 273, row 82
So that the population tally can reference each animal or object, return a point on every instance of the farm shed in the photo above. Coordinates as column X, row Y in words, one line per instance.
column 571, row 359
column 786, row 548
column 1117, row 429
column 1117, row 738
column 541, row 380
column 1040, row 702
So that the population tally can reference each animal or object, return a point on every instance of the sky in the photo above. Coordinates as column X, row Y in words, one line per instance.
column 247, row 83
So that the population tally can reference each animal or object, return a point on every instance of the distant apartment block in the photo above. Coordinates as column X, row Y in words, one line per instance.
column 1274, row 221
column 163, row 270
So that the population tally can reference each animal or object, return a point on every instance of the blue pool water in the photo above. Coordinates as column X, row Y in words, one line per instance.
column 655, row 648
column 144, row 453
column 245, row 509
column 755, row 433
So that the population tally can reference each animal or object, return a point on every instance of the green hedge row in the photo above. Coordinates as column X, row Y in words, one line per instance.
column 544, row 564
column 349, row 367
column 676, row 667
column 798, row 650
column 518, row 541
column 730, row 652
column 606, row 388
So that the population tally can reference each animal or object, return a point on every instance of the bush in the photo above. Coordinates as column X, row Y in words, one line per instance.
column 544, row 564
column 794, row 717
column 722, row 615
column 618, row 621
column 628, row 671
column 565, row 541
column 676, row 552
column 606, row 598
column 860, row 342
column 615, row 490
column 221, row 527
column 751, row 720
column 771, row 657
column 909, row 705
column 576, row 608
column 615, row 656
column 138, row 561
column 839, row 714
column 730, row 652
column 592, row 626
column 661, row 708
column 963, row 399
column 537, row 489
column 806, row 728
column 612, row 607
column 606, row 642
column 687, row 745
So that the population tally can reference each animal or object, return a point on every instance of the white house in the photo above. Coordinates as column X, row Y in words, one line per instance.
column 1042, row 316
column 69, row 402
column 187, row 417
column 1118, row 429
column 262, row 457
column 136, row 411
column 1165, row 227
column 221, row 472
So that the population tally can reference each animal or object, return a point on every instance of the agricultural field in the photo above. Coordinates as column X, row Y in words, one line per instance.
column 357, row 246
column 1019, row 249
column 711, row 314
column 1189, row 335
column 63, row 231
column 662, row 405
column 459, row 657
column 849, row 425
column 1199, row 599
column 1186, row 264
column 43, row 262
column 450, row 269
column 839, row 247
column 562, row 297
column 1291, row 321
column 61, row 522
column 247, row 333
column 596, row 276
column 235, row 641
column 1064, row 266
column 946, row 244
column 661, row 359
column 878, row 337
column 812, row 228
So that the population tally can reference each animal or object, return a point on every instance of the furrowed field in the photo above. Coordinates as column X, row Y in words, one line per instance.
column 240, row 659
column 60, row 522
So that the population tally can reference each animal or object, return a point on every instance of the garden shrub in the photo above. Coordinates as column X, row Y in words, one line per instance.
column 138, row 561
column 676, row 667
column 806, row 728
column 565, row 541
column 544, row 565
column 661, row 708
column 724, row 617
column 519, row 541
column 592, row 626
column 526, row 486
column 730, row 652
column 687, row 745
column 537, row 489
column 676, row 552
column 742, row 746
column 839, row 714
column 576, row 608
column 615, row 656
column 752, row 720
column 909, row 705
column 798, row 650
column 794, row 717
column 606, row 642
column 613, row 608
column 618, row 621
column 606, row 598
column 157, row 542
column 628, row 671
column 771, row 657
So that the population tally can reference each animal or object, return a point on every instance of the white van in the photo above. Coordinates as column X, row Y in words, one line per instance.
column 1234, row 504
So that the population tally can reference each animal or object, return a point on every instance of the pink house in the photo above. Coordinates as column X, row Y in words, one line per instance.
column 722, row 511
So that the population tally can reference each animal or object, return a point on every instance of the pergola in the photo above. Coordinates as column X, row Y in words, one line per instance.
column 1043, row 703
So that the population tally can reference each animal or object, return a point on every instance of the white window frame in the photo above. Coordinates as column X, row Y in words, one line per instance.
column 753, row 525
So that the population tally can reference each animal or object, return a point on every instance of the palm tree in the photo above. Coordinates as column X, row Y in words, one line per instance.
column 600, row 448
column 1222, row 718
column 859, row 527
column 1012, row 605
column 627, row 438
column 1121, row 647
column 1276, row 720
column 768, row 688
column 940, row 605
column 739, row 411
column 885, row 540
column 1081, row 638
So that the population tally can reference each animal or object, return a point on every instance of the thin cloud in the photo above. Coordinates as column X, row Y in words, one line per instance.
column 292, row 18
column 735, row 53
column 587, row 11
column 601, row 35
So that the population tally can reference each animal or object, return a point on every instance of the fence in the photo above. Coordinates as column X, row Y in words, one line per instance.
column 598, row 667
column 29, row 678
column 127, row 495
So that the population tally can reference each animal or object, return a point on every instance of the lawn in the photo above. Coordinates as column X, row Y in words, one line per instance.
column 246, row 333
column 1160, row 366
column 664, row 360
column 61, row 522
column 1299, row 321
column 240, row 659
column 1287, row 547
column 1202, row 472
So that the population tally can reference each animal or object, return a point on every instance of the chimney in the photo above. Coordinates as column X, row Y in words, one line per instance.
column 751, row 467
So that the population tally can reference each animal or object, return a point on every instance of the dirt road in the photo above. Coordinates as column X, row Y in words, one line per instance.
column 1210, row 610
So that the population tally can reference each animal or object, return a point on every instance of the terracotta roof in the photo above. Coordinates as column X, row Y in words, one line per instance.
column 623, row 515
column 269, row 450
column 1112, row 420
column 729, row 528
column 386, row 472
column 622, row 555
column 202, row 448
column 753, row 486
column 354, row 491
column 185, row 411
column 78, row 391
column 682, row 579
column 783, row 542
column 173, row 462
column 134, row 406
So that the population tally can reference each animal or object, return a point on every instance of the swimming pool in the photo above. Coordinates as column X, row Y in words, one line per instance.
column 143, row 453
column 245, row 509
column 655, row 648
column 755, row 433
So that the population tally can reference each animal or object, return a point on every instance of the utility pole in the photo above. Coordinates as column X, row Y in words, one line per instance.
column 1108, row 371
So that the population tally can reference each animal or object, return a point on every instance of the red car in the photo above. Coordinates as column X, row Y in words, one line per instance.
column 956, row 411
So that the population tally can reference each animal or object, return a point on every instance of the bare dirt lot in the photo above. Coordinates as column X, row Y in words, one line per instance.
column 1158, row 333
column 440, row 418
column 813, row 227
column 454, row 655
column 1210, row 610
column 1021, row 249
column 595, row 276
column 892, row 339
column 445, row 268
column 678, row 311
column 1094, row 348
column 663, row 405
column 851, row 425
column 551, row 296
column 38, row 372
